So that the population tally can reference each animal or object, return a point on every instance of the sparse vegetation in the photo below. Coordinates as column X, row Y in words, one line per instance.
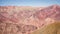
column 53, row 28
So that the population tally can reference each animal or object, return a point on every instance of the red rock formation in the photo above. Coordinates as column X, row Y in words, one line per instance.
column 49, row 12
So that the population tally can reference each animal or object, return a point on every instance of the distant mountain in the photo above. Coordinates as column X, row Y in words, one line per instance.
column 49, row 12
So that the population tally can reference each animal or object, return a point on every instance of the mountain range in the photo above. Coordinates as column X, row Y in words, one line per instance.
column 26, row 19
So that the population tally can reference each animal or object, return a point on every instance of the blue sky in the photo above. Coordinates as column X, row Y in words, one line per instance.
column 28, row 2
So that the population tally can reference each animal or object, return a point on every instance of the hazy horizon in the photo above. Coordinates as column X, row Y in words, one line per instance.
column 35, row 3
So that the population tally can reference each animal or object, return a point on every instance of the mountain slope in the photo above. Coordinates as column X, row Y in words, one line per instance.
column 53, row 28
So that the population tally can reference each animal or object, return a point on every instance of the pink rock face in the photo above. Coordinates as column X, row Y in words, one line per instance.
column 49, row 12
column 24, row 20
column 16, row 20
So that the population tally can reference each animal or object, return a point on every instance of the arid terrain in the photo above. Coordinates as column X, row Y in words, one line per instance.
column 26, row 19
column 53, row 28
